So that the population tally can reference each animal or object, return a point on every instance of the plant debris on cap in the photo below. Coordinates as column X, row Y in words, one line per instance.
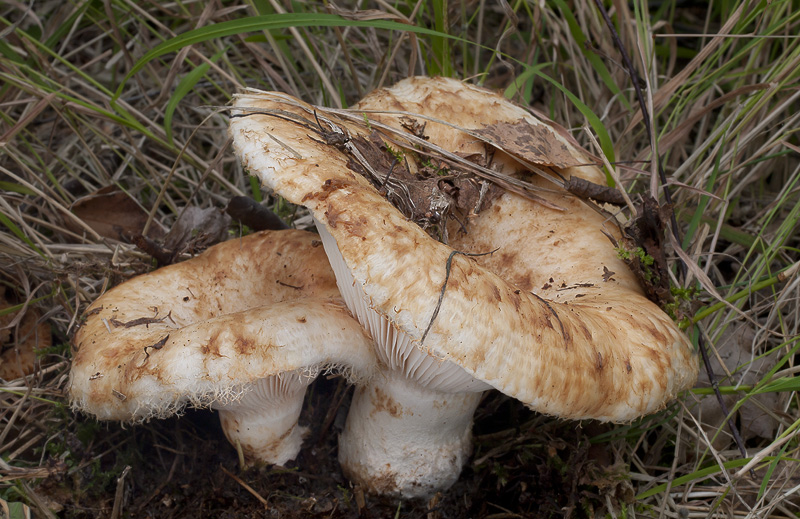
column 242, row 328
column 552, row 317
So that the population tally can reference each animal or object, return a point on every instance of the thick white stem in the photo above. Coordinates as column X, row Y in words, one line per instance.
column 404, row 439
column 264, row 421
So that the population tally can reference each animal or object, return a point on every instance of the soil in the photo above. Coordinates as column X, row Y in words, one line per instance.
column 523, row 465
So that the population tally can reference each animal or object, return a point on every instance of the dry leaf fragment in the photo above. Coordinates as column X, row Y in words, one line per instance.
column 735, row 350
column 197, row 228
column 113, row 214
column 365, row 14
column 534, row 144
column 18, row 343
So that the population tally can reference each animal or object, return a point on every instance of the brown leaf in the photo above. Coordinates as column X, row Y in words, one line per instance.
column 197, row 228
column 20, row 337
column 736, row 354
column 414, row 126
column 365, row 14
column 113, row 214
column 534, row 144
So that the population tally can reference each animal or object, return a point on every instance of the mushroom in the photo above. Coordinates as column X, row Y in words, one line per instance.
column 242, row 328
column 540, row 319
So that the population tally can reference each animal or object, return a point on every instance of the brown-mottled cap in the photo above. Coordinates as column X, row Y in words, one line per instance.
column 239, row 322
column 540, row 319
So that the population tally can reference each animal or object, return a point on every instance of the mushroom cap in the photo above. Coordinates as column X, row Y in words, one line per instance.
column 599, row 350
column 204, row 331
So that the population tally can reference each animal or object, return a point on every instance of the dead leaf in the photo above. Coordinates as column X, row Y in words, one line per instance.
column 416, row 196
column 414, row 126
column 19, row 341
column 612, row 481
column 425, row 193
column 197, row 228
column 113, row 214
column 735, row 348
column 534, row 144
column 365, row 14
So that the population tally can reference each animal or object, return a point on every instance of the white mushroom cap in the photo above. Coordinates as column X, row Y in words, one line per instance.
column 597, row 349
column 250, row 318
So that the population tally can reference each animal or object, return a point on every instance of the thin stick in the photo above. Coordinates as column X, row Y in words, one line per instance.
column 444, row 285
column 119, row 493
column 246, row 486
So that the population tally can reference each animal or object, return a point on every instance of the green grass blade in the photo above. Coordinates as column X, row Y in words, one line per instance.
column 442, row 64
column 266, row 23
column 255, row 188
column 521, row 80
column 182, row 90
column 704, row 200
column 13, row 187
column 770, row 470
column 15, row 308
column 701, row 474
column 593, row 58
column 19, row 234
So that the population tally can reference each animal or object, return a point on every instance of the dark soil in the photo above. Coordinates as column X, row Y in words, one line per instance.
column 523, row 465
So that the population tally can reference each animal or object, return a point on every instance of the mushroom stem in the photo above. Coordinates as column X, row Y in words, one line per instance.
column 404, row 439
column 264, row 420
column 408, row 431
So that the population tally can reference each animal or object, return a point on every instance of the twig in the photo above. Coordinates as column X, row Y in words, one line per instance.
column 245, row 486
column 444, row 285
column 119, row 493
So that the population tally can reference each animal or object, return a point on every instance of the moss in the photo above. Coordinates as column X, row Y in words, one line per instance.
column 396, row 153
column 645, row 261
column 681, row 299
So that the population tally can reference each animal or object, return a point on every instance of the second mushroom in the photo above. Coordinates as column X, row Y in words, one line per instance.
column 243, row 328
